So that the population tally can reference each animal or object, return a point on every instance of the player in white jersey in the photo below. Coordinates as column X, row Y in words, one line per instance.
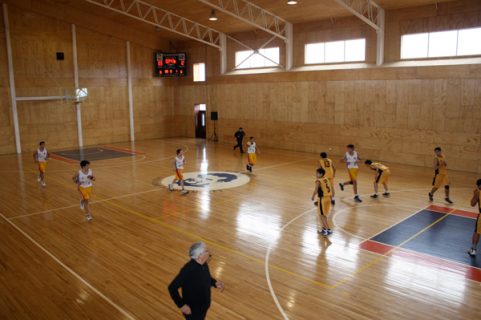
column 84, row 179
column 41, row 157
column 179, row 163
column 252, row 151
column 351, row 159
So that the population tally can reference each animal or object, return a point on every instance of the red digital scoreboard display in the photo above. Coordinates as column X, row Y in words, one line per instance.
column 169, row 64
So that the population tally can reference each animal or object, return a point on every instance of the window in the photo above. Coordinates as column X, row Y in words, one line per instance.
column 335, row 51
column 451, row 43
column 248, row 59
column 199, row 72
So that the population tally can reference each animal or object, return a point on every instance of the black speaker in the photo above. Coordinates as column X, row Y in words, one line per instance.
column 60, row 56
column 213, row 115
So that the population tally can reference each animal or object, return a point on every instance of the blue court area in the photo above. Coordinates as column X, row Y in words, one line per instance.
column 443, row 235
column 92, row 154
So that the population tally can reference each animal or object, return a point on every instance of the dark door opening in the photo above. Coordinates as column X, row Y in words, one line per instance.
column 200, row 121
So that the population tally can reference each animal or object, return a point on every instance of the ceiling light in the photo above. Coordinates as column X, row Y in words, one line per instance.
column 292, row 2
column 213, row 17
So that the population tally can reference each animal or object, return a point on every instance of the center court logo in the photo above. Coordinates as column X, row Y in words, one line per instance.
column 217, row 180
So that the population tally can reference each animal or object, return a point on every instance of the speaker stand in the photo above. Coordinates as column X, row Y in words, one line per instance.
column 213, row 137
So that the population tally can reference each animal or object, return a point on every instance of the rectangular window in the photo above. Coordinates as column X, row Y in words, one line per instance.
column 199, row 72
column 263, row 58
column 335, row 51
column 450, row 43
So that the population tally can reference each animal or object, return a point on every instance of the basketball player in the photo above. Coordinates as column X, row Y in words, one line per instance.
column 179, row 163
column 41, row 157
column 476, row 200
column 351, row 159
column 252, row 151
column 381, row 177
column 328, row 166
column 440, row 175
column 323, row 192
column 84, row 180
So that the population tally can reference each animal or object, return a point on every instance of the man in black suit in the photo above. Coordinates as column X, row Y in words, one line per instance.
column 239, row 135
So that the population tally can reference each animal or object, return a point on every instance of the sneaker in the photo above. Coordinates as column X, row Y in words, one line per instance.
column 448, row 200
column 43, row 184
column 375, row 196
column 333, row 202
column 250, row 168
column 341, row 185
column 430, row 195
column 322, row 232
column 247, row 167
column 329, row 232
column 472, row 252
column 171, row 187
column 39, row 179
column 184, row 192
column 88, row 217
column 316, row 203
column 357, row 199
column 386, row 194
column 82, row 205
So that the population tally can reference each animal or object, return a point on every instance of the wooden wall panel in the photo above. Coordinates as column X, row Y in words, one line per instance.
column 38, row 73
column 153, row 98
column 392, row 120
column 7, row 142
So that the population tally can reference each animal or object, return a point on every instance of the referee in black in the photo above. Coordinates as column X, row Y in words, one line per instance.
column 195, row 281
column 239, row 135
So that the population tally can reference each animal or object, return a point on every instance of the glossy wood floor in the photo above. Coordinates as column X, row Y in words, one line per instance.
column 55, row 265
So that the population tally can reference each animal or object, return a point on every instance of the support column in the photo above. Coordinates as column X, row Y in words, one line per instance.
column 381, row 19
column 131, row 96
column 78, row 105
column 289, row 46
column 223, row 53
column 11, row 78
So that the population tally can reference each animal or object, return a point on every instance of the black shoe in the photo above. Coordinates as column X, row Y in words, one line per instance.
column 386, row 194
column 374, row 196
column 448, row 200
column 333, row 202
column 316, row 203
column 430, row 197
column 341, row 185
column 247, row 167
column 357, row 199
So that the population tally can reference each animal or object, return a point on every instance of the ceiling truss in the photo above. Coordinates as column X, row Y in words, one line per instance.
column 163, row 19
column 251, row 14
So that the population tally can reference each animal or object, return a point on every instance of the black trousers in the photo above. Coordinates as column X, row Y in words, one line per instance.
column 196, row 316
column 239, row 145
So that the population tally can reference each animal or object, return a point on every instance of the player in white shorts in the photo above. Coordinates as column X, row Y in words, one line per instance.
column 84, row 179
column 41, row 157
column 351, row 159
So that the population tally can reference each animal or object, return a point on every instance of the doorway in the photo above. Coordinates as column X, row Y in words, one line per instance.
column 200, row 121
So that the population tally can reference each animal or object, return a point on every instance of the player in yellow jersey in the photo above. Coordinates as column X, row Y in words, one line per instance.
column 84, row 179
column 41, row 157
column 328, row 166
column 440, row 175
column 476, row 200
column 323, row 192
column 381, row 177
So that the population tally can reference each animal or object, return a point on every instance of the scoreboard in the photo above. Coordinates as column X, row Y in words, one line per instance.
column 169, row 64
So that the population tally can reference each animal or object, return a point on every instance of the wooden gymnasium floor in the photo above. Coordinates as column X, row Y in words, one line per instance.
column 54, row 265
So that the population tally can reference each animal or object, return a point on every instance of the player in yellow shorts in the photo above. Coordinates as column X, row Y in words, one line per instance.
column 440, row 175
column 351, row 159
column 252, row 151
column 84, row 179
column 381, row 177
column 328, row 166
column 179, row 163
column 41, row 157
column 476, row 200
column 323, row 193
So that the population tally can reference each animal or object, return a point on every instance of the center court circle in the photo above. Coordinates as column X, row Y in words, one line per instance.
column 215, row 180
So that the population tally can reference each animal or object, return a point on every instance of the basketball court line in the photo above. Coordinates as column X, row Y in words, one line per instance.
column 346, row 278
column 68, row 269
